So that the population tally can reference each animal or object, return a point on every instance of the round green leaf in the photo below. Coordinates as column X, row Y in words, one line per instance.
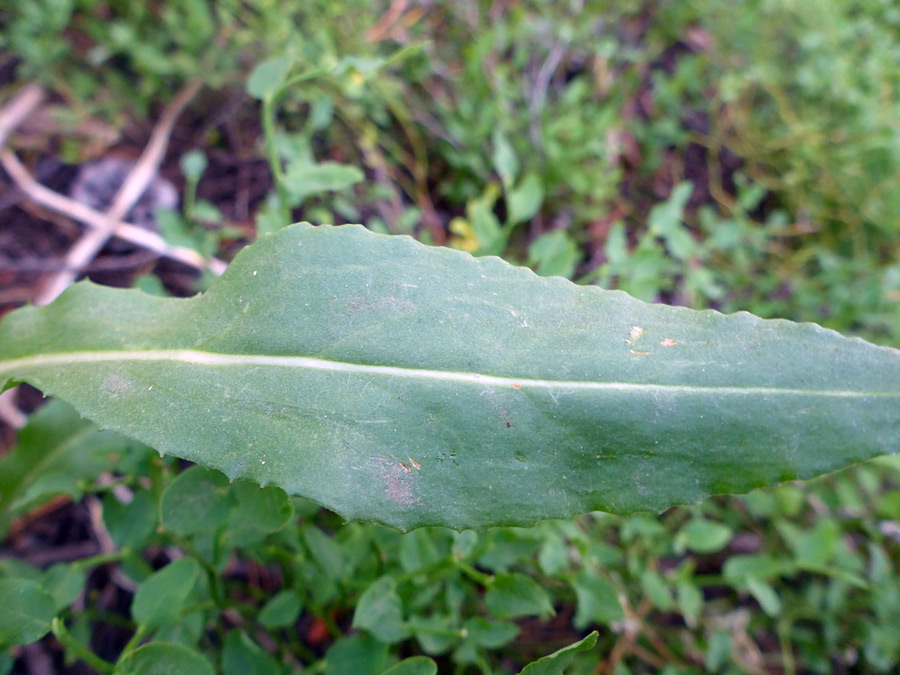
column 165, row 658
column 64, row 583
column 557, row 662
column 197, row 501
column 598, row 601
column 360, row 654
column 160, row 599
column 513, row 595
column 268, row 76
column 380, row 611
column 27, row 611
column 131, row 524
column 703, row 536
column 415, row 665
column 241, row 656
column 282, row 610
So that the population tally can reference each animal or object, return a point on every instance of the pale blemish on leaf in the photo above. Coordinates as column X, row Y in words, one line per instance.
column 668, row 342
column 399, row 481
column 635, row 333
column 116, row 386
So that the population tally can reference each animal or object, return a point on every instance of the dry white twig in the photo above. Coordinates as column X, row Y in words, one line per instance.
column 132, row 233
column 14, row 113
column 93, row 240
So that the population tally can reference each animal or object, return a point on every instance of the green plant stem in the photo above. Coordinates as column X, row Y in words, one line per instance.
column 102, row 559
column 784, row 641
column 269, row 111
column 268, row 123
column 133, row 643
column 73, row 646
column 485, row 580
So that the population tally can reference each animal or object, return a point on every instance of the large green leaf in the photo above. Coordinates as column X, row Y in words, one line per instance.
column 420, row 386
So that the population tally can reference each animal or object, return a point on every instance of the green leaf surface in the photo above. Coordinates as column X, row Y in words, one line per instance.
column 268, row 76
column 281, row 610
column 415, row 665
column 131, row 524
column 164, row 658
column 557, row 662
column 160, row 599
column 241, row 656
column 703, row 536
column 360, row 654
column 490, row 634
column 27, row 612
column 418, row 386
column 598, row 601
column 514, row 595
column 64, row 583
column 380, row 611
column 197, row 501
column 58, row 453
column 303, row 179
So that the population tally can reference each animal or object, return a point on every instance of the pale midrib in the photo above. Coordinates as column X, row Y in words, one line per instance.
column 14, row 366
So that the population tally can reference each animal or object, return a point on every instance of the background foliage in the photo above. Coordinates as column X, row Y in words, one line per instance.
column 736, row 155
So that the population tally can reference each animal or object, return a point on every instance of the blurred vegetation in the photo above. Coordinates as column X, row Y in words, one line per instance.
column 734, row 155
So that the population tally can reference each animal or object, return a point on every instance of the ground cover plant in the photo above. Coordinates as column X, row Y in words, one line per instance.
column 618, row 145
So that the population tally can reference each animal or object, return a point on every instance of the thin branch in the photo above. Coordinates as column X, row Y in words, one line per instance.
column 73, row 209
column 15, row 112
column 93, row 240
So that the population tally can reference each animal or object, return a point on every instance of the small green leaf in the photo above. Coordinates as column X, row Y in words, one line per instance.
column 258, row 511
column 164, row 658
column 665, row 220
column 504, row 547
column 415, row 665
column 380, row 611
column 193, row 163
column 360, row 654
column 160, row 599
column 324, row 550
column 27, row 612
column 740, row 568
column 656, row 590
column 504, row 157
column 489, row 234
column 433, row 632
column 524, row 200
column 718, row 652
column 304, row 180
column 690, row 601
column 553, row 557
column 514, row 595
column 58, row 453
column 598, row 601
column 281, row 610
column 816, row 547
column 64, row 583
column 702, row 536
column 765, row 595
column 268, row 76
column 242, row 656
column 418, row 550
column 554, row 254
column 464, row 544
column 557, row 662
column 197, row 501
column 131, row 524
column 490, row 634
